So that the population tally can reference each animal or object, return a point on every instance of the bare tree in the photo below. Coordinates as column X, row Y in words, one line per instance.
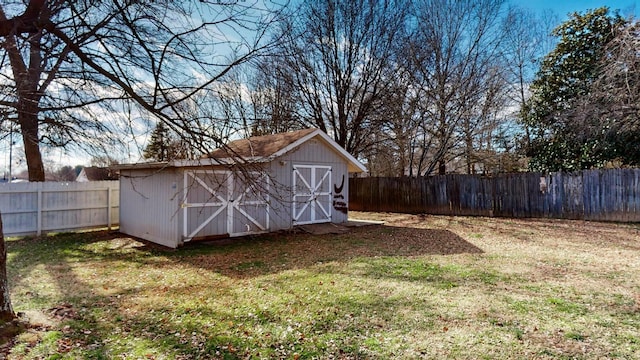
column 527, row 39
column 73, row 61
column 213, row 116
column 617, row 86
column 478, row 129
column 390, row 154
column 452, row 52
column 338, row 55
column 622, row 74
column 273, row 98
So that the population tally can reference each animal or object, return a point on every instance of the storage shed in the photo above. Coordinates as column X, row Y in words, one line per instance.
column 251, row 186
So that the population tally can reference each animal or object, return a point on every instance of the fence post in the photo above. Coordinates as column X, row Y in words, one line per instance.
column 39, row 213
column 109, row 207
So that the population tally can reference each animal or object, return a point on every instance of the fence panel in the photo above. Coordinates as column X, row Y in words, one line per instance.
column 34, row 208
column 605, row 195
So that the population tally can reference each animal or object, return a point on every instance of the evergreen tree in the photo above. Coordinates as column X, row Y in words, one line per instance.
column 564, row 137
column 166, row 145
column 159, row 147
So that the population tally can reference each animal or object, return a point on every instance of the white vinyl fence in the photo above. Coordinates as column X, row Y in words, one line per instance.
column 37, row 208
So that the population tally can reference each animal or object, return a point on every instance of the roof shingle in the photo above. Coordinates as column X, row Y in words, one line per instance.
column 259, row 146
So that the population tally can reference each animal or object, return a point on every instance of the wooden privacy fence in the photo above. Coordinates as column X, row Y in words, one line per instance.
column 36, row 208
column 605, row 195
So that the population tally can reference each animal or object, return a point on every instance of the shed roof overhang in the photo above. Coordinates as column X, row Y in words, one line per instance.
column 227, row 156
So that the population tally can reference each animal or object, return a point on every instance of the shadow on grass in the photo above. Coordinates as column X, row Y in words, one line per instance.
column 245, row 256
column 71, row 315
column 273, row 253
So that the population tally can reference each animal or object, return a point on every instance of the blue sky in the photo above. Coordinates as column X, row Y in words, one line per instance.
column 564, row 7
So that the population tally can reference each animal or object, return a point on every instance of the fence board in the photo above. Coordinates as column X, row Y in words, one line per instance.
column 34, row 208
column 604, row 195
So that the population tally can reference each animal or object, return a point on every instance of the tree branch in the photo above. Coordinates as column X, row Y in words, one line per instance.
column 26, row 23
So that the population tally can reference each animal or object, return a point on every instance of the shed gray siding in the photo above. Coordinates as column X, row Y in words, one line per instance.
column 313, row 152
column 154, row 206
column 198, row 194
column 149, row 205
column 220, row 201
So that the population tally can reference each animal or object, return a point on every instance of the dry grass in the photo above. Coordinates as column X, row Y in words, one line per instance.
column 417, row 287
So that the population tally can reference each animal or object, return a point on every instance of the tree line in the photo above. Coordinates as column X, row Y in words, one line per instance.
column 415, row 88
column 412, row 88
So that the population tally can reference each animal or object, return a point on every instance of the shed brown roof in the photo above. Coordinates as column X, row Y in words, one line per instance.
column 259, row 146
column 257, row 149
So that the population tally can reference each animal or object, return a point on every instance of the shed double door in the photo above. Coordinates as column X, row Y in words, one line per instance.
column 311, row 194
column 224, row 203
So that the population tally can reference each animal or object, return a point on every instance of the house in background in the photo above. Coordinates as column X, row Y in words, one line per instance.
column 256, row 185
column 94, row 173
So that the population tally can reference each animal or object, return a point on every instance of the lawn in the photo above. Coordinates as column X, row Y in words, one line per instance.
column 427, row 287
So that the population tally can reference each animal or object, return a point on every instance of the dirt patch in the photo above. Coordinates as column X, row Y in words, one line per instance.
column 323, row 229
column 331, row 228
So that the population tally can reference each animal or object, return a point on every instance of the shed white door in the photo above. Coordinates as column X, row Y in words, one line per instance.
column 224, row 203
column 311, row 194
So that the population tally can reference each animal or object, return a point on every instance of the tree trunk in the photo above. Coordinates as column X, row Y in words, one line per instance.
column 468, row 153
column 26, row 74
column 6, row 310
column 29, row 127
column 442, row 167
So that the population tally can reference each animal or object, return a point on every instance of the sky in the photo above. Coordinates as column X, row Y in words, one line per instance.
column 564, row 7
